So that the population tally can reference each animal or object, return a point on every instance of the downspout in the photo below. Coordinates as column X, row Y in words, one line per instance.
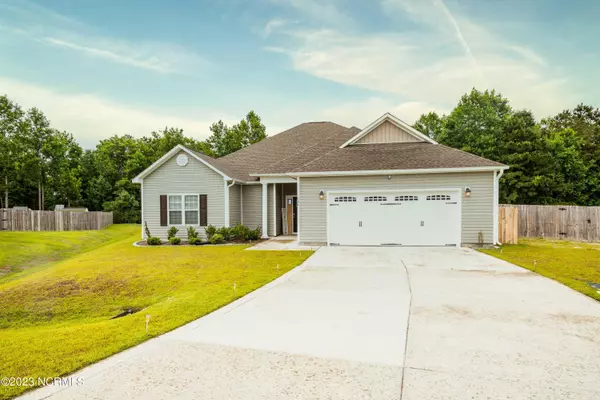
column 497, row 203
column 227, row 217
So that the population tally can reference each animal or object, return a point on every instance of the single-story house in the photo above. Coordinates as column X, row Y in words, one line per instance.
column 387, row 184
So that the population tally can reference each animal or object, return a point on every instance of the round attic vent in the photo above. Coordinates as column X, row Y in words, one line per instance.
column 182, row 160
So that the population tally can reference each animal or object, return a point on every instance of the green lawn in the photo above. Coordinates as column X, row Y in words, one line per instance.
column 570, row 263
column 57, row 319
column 23, row 250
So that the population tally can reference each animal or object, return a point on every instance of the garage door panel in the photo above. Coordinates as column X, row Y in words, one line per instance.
column 407, row 219
column 343, row 221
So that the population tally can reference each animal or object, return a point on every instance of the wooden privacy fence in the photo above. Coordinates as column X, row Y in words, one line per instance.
column 31, row 220
column 508, row 225
column 558, row 222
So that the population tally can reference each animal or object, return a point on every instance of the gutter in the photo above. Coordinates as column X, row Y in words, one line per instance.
column 497, row 199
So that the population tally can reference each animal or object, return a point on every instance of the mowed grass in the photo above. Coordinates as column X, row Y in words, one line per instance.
column 23, row 250
column 57, row 320
column 570, row 263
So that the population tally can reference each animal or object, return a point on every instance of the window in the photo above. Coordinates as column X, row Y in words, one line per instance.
column 345, row 199
column 438, row 197
column 406, row 198
column 184, row 209
column 376, row 198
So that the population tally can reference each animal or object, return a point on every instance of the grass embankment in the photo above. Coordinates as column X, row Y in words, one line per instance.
column 57, row 319
column 22, row 251
column 573, row 264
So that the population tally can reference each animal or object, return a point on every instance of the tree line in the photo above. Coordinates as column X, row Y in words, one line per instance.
column 41, row 166
column 552, row 161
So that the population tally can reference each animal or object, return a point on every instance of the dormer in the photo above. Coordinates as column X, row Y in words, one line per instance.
column 388, row 129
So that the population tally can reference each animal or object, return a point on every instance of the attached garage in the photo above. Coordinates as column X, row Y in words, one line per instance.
column 395, row 218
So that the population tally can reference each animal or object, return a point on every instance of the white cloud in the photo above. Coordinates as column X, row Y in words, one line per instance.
column 362, row 113
column 51, row 28
column 273, row 25
column 91, row 118
column 157, row 57
column 435, row 63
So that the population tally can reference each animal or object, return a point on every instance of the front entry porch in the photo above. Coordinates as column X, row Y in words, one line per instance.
column 280, row 208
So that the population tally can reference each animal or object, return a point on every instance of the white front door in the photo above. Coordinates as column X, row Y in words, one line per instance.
column 415, row 218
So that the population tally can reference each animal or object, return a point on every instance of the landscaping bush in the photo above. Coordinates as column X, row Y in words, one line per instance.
column 194, row 241
column 226, row 233
column 153, row 241
column 175, row 240
column 252, row 234
column 210, row 231
column 172, row 232
column 239, row 232
column 192, row 234
column 216, row 238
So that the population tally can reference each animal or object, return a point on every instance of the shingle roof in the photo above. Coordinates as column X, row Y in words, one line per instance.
column 289, row 149
column 315, row 147
column 220, row 165
column 394, row 156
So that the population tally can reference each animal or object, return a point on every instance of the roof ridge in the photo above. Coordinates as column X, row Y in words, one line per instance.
column 279, row 135
column 311, row 147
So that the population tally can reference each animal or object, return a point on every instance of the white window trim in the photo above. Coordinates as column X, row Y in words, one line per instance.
column 183, row 209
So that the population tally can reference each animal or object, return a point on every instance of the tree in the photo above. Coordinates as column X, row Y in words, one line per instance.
column 125, row 208
column 226, row 140
column 64, row 169
column 33, row 144
column 11, row 121
column 477, row 122
column 431, row 124
column 547, row 162
column 585, row 121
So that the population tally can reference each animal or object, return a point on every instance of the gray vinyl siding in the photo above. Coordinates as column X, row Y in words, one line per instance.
column 194, row 178
column 388, row 133
column 252, row 205
column 477, row 210
column 235, row 212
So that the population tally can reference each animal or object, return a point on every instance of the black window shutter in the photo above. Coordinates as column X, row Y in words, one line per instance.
column 203, row 210
column 163, row 210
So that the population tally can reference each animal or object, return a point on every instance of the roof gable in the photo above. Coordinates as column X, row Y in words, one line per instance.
column 388, row 129
column 204, row 159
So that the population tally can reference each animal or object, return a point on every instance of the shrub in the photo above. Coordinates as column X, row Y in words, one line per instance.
column 172, row 232
column 239, row 232
column 194, row 241
column 252, row 234
column 216, row 238
column 227, row 233
column 153, row 241
column 175, row 240
column 210, row 231
column 192, row 234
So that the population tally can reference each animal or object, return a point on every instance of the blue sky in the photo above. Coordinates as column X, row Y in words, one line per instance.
column 103, row 67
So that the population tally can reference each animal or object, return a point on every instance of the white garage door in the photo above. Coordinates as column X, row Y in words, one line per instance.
column 419, row 218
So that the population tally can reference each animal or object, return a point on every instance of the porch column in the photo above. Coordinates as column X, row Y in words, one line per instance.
column 274, row 209
column 265, row 211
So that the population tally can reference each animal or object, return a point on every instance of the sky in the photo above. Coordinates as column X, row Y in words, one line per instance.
column 97, row 68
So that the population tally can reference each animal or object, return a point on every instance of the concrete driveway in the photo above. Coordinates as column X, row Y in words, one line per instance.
column 336, row 328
